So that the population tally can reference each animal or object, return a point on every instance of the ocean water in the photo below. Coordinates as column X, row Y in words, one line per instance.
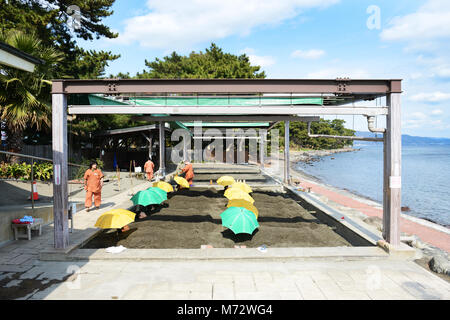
column 425, row 176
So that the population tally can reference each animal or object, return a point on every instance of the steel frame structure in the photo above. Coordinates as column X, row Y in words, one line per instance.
column 343, row 89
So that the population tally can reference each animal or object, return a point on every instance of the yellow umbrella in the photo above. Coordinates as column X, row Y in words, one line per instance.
column 243, row 204
column 235, row 193
column 113, row 221
column 225, row 180
column 243, row 186
column 127, row 213
column 167, row 187
column 181, row 181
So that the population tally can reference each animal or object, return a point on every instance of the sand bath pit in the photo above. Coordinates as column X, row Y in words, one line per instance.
column 191, row 218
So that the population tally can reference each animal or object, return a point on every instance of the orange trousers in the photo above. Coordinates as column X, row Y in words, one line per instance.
column 149, row 175
column 97, row 199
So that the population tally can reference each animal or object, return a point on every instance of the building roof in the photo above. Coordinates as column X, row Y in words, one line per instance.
column 16, row 58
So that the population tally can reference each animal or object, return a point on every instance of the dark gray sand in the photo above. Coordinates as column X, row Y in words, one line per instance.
column 191, row 218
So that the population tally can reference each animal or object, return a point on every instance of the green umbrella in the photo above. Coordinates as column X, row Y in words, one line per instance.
column 148, row 197
column 159, row 191
column 239, row 220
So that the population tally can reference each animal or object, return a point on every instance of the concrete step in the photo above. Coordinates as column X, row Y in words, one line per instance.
column 215, row 176
column 277, row 254
column 229, row 171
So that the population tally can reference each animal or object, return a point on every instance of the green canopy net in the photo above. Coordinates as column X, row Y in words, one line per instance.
column 208, row 101
column 177, row 101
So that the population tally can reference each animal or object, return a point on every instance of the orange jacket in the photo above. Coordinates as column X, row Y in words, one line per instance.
column 149, row 166
column 92, row 178
column 189, row 171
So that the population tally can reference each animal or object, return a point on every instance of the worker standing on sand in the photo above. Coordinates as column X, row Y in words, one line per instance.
column 189, row 171
column 93, row 183
column 148, row 168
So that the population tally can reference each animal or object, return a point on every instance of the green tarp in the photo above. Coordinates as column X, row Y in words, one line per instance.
column 210, row 101
column 99, row 100
column 221, row 101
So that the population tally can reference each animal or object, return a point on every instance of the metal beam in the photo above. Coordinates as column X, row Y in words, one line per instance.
column 362, row 87
column 227, row 118
column 162, row 149
column 277, row 122
column 346, row 137
column 262, row 147
column 286, row 152
column 147, row 138
column 215, row 110
column 222, row 137
column 130, row 130
column 60, row 170
column 392, row 172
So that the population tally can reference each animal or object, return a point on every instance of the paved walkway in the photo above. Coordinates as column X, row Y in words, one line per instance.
column 429, row 235
column 380, row 278
column 384, row 279
column 21, row 255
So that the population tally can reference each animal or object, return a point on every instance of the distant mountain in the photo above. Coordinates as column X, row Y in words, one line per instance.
column 410, row 140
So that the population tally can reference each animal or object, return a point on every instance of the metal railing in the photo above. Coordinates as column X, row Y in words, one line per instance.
column 33, row 160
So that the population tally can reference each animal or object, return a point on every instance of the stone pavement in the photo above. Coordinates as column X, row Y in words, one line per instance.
column 224, row 280
column 333, row 278
column 21, row 255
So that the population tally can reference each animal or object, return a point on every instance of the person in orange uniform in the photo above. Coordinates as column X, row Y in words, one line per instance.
column 148, row 168
column 189, row 171
column 93, row 183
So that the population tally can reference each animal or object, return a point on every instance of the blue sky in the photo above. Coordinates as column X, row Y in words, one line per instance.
column 304, row 39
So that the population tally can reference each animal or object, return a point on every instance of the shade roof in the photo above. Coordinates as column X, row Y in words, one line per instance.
column 213, row 101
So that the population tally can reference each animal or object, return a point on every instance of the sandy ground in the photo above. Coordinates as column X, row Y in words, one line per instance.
column 191, row 218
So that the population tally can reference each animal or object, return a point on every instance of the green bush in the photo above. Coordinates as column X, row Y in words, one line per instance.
column 85, row 165
column 41, row 171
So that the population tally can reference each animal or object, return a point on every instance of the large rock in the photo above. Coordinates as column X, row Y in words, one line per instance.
column 440, row 264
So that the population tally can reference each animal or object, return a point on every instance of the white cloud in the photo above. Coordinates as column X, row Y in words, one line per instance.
column 413, row 123
column 419, row 119
column 332, row 73
column 431, row 97
column 442, row 70
column 436, row 66
column 180, row 23
column 262, row 61
column 437, row 112
column 419, row 115
column 308, row 54
column 430, row 22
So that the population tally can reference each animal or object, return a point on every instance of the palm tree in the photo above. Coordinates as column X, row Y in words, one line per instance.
column 25, row 99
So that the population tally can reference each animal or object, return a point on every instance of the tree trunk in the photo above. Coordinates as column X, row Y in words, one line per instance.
column 15, row 143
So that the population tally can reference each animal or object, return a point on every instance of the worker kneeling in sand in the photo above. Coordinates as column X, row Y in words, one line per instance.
column 188, row 170
column 93, row 183
column 148, row 168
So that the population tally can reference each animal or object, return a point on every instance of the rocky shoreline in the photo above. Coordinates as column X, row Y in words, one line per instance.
column 432, row 258
column 314, row 155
